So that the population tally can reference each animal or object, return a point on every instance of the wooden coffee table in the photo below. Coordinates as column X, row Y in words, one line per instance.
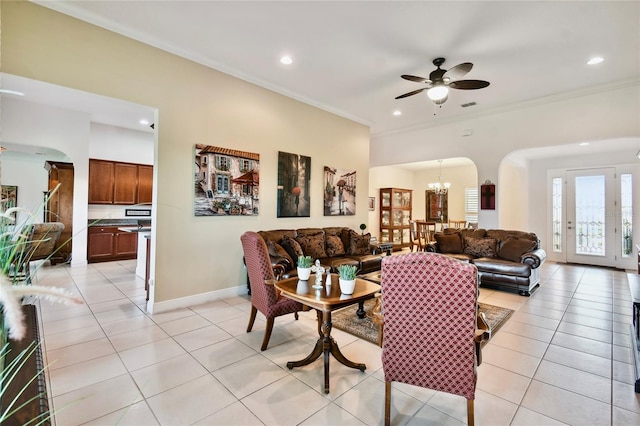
column 324, row 301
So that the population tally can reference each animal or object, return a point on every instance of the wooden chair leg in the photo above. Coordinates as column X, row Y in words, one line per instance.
column 295, row 315
column 267, row 334
column 470, row 419
column 387, row 403
column 252, row 318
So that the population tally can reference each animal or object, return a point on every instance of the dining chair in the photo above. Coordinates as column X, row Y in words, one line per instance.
column 264, row 297
column 429, row 308
column 414, row 241
column 425, row 232
column 40, row 240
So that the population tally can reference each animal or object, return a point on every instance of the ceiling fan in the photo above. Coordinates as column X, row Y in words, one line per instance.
column 440, row 81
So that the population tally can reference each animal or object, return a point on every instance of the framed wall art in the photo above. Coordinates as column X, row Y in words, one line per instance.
column 488, row 196
column 372, row 203
column 227, row 182
column 294, row 179
column 339, row 192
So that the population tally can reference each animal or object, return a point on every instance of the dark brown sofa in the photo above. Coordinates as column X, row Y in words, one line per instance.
column 333, row 246
column 505, row 259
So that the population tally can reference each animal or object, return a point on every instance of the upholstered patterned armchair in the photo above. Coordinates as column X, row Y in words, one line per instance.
column 264, row 297
column 429, row 306
column 39, row 243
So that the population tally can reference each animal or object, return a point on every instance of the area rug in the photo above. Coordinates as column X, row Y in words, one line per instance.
column 345, row 319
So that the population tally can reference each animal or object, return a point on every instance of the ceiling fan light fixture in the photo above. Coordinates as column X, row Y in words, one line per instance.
column 438, row 93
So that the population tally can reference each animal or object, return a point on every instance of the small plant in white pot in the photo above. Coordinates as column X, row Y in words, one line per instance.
column 347, row 278
column 304, row 267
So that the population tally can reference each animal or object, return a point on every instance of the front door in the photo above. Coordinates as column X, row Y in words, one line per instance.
column 591, row 213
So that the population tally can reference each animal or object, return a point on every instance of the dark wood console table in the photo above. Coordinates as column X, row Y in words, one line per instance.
column 634, row 286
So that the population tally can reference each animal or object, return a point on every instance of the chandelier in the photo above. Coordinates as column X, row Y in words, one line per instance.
column 439, row 187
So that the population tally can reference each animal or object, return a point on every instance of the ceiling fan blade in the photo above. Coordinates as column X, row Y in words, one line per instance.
column 415, row 92
column 459, row 71
column 468, row 84
column 414, row 78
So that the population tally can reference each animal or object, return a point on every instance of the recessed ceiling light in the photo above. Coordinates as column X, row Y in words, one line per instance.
column 397, row 113
column 583, row 144
column 286, row 60
column 595, row 60
column 11, row 92
column 144, row 122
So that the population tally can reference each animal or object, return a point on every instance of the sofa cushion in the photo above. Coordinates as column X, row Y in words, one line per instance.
column 277, row 235
column 359, row 244
column 278, row 252
column 480, row 247
column 292, row 247
column 313, row 245
column 334, row 246
column 473, row 233
column 514, row 248
column 449, row 243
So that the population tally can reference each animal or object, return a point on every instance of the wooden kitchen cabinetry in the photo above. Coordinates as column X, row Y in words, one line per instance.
column 395, row 214
column 106, row 243
column 112, row 182
column 145, row 184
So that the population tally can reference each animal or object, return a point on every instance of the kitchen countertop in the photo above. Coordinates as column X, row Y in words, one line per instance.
column 113, row 222
column 135, row 228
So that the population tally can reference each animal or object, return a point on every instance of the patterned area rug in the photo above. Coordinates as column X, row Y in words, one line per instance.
column 345, row 319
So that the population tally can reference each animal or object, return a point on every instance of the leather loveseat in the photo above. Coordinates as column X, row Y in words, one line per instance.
column 505, row 259
column 333, row 246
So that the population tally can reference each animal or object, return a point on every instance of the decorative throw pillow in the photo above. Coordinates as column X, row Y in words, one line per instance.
column 334, row 246
column 277, row 251
column 480, row 247
column 313, row 245
column 359, row 244
column 449, row 243
column 514, row 248
column 292, row 247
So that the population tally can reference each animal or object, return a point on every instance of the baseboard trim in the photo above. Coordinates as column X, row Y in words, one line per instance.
column 196, row 299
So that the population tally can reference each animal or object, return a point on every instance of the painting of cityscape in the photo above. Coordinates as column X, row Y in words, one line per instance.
column 339, row 192
column 226, row 182
column 294, row 176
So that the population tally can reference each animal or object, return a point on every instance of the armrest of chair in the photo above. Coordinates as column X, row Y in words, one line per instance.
column 278, row 271
column 482, row 334
column 534, row 258
column 431, row 247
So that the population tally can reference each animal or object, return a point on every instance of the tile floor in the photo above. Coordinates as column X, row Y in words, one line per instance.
column 563, row 358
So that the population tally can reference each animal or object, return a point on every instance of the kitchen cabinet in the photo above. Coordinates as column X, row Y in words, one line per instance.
column 112, row 182
column 395, row 214
column 145, row 184
column 101, row 177
column 106, row 243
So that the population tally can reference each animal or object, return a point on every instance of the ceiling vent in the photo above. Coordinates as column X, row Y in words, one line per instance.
column 468, row 104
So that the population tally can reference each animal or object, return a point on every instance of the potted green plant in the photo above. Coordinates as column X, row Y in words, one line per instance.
column 304, row 267
column 347, row 278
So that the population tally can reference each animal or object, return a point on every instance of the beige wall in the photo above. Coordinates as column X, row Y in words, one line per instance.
column 195, row 104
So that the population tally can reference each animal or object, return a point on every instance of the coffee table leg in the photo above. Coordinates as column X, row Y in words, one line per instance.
column 315, row 354
column 361, row 313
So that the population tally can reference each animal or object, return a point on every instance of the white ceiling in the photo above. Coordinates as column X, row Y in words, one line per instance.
column 348, row 56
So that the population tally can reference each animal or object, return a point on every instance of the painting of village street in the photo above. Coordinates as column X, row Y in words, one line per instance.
column 226, row 182
column 294, row 176
column 339, row 192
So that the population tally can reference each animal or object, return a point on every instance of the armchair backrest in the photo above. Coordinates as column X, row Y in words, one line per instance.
column 429, row 304
column 42, row 239
column 256, row 257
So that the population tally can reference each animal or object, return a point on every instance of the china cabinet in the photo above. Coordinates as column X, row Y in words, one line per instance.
column 395, row 214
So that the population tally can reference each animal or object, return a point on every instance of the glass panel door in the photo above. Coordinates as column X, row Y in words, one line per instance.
column 590, row 224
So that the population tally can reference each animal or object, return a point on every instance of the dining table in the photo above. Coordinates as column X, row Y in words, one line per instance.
column 325, row 297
